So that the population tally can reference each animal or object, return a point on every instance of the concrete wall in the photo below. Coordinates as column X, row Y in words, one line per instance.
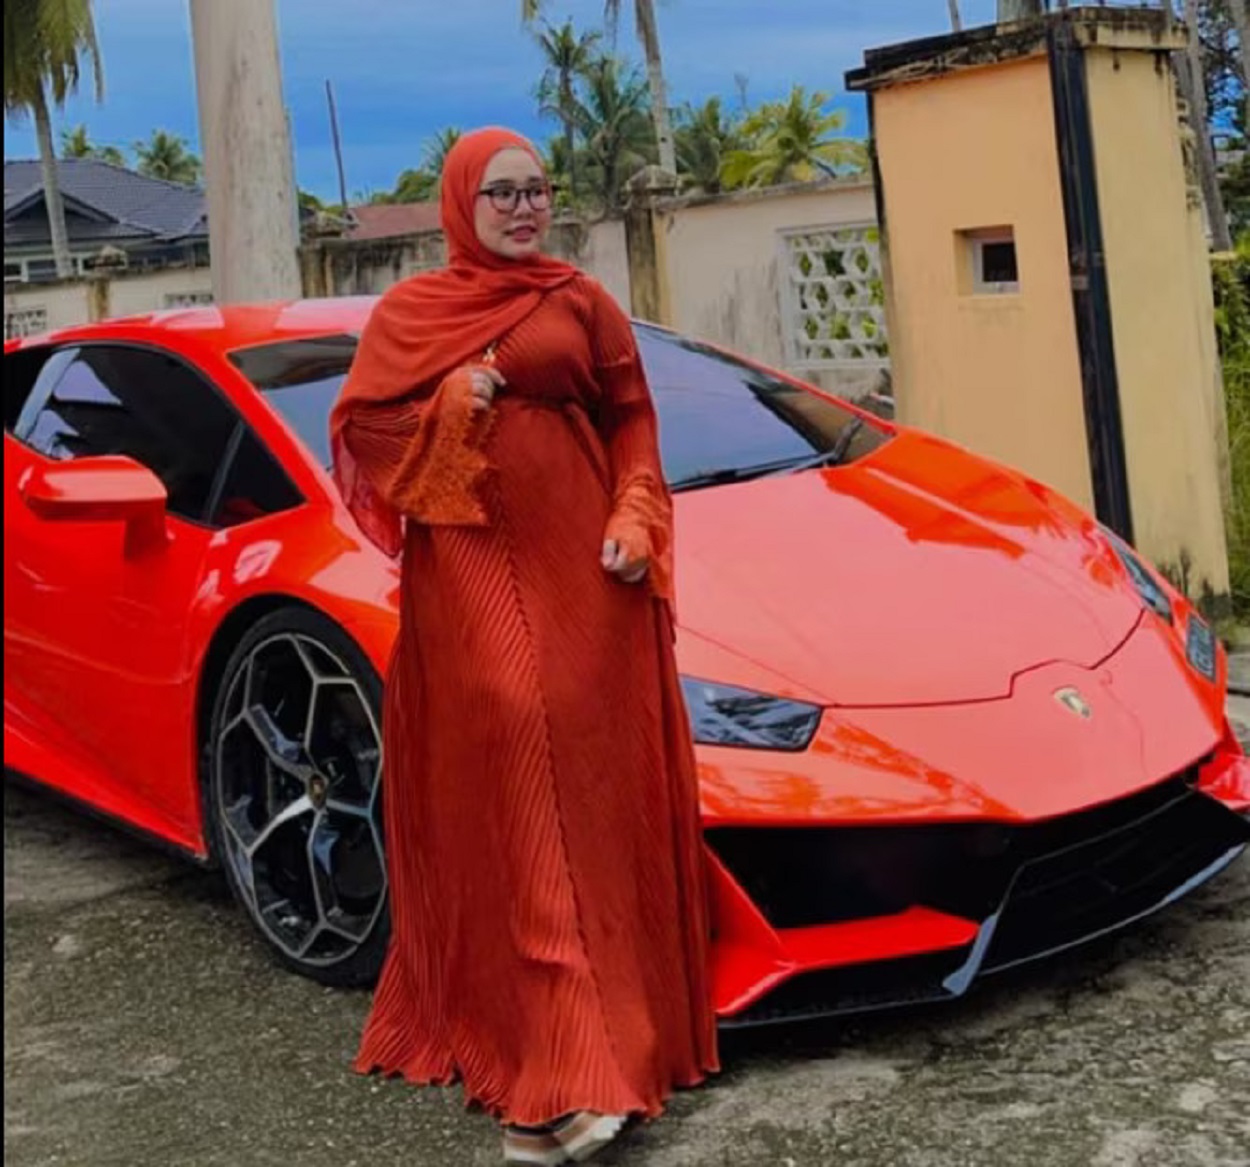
column 339, row 267
column 725, row 270
column 62, row 304
column 128, row 296
column 80, row 301
column 998, row 373
column 1163, row 319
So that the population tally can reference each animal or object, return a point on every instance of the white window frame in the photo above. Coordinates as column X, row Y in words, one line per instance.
column 975, row 243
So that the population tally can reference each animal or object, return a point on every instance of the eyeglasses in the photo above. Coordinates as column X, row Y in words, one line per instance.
column 505, row 197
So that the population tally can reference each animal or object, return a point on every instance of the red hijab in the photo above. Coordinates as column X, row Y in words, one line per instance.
column 436, row 322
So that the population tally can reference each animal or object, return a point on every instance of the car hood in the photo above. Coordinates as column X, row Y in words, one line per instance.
column 918, row 575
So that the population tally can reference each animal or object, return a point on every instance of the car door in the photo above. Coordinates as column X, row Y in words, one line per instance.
column 96, row 636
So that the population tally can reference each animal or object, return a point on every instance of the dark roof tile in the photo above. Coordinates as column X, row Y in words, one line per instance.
column 148, row 206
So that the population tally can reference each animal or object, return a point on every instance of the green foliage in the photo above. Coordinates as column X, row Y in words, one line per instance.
column 1222, row 75
column 436, row 151
column 1235, row 187
column 412, row 186
column 44, row 43
column 77, row 143
column 705, row 135
column 610, row 114
column 568, row 54
column 166, row 156
column 794, row 140
column 1231, row 276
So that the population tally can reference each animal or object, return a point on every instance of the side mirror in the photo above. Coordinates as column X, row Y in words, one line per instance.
column 100, row 490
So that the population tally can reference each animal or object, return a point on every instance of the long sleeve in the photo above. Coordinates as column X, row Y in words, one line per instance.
column 425, row 457
column 642, row 510
column 419, row 458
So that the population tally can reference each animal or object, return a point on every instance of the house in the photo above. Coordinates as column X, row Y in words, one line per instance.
column 391, row 220
column 152, row 223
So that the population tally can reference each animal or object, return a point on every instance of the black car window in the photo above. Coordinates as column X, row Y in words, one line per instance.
column 254, row 486
column 301, row 379
column 719, row 418
column 27, row 372
column 149, row 406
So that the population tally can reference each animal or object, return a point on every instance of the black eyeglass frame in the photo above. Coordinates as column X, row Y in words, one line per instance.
column 506, row 197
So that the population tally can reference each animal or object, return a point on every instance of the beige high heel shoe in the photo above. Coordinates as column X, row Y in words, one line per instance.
column 585, row 1133
column 536, row 1146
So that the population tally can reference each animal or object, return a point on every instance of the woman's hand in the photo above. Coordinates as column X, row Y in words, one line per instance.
column 616, row 559
column 484, row 382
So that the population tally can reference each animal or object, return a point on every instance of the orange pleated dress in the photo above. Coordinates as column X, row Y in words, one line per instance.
column 550, row 930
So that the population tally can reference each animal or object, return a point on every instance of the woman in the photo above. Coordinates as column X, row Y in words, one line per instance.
column 547, row 899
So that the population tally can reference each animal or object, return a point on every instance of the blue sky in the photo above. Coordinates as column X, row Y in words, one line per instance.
column 402, row 69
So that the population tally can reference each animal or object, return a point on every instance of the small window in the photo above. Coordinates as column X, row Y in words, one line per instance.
column 187, row 299
column 987, row 263
column 41, row 271
column 23, row 322
column 12, row 271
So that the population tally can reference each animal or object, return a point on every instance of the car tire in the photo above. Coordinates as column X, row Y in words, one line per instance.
column 293, row 795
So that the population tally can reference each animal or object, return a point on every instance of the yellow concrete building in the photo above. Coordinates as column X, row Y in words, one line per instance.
column 1049, row 300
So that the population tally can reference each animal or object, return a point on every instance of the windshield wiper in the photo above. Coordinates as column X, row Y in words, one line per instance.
column 834, row 456
column 830, row 457
column 726, row 475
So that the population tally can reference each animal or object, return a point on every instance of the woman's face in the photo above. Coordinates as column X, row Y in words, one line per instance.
column 513, row 209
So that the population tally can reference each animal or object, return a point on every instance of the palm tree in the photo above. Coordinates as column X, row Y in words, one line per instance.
column 793, row 141
column 649, row 38
column 568, row 55
column 44, row 41
column 166, row 156
column 705, row 137
column 559, row 164
column 611, row 114
column 437, row 149
column 416, row 186
column 76, row 143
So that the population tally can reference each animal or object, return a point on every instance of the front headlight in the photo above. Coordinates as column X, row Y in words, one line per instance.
column 722, row 715
column 1153, row 596
column 1200, row 646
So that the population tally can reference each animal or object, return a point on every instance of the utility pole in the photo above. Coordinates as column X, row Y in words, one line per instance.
column 246, row 140
column 338, row 148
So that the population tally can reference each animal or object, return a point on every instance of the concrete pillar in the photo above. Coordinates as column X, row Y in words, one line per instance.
column 1048, row 284
column 99, row 300
column 646, row 245
column 246, row 144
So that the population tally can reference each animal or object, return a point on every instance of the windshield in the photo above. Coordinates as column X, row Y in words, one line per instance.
column 720, row 419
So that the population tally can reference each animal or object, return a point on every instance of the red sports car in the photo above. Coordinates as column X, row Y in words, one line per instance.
column 946, row 722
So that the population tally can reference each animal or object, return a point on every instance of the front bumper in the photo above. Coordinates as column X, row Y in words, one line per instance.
column 817, row 921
